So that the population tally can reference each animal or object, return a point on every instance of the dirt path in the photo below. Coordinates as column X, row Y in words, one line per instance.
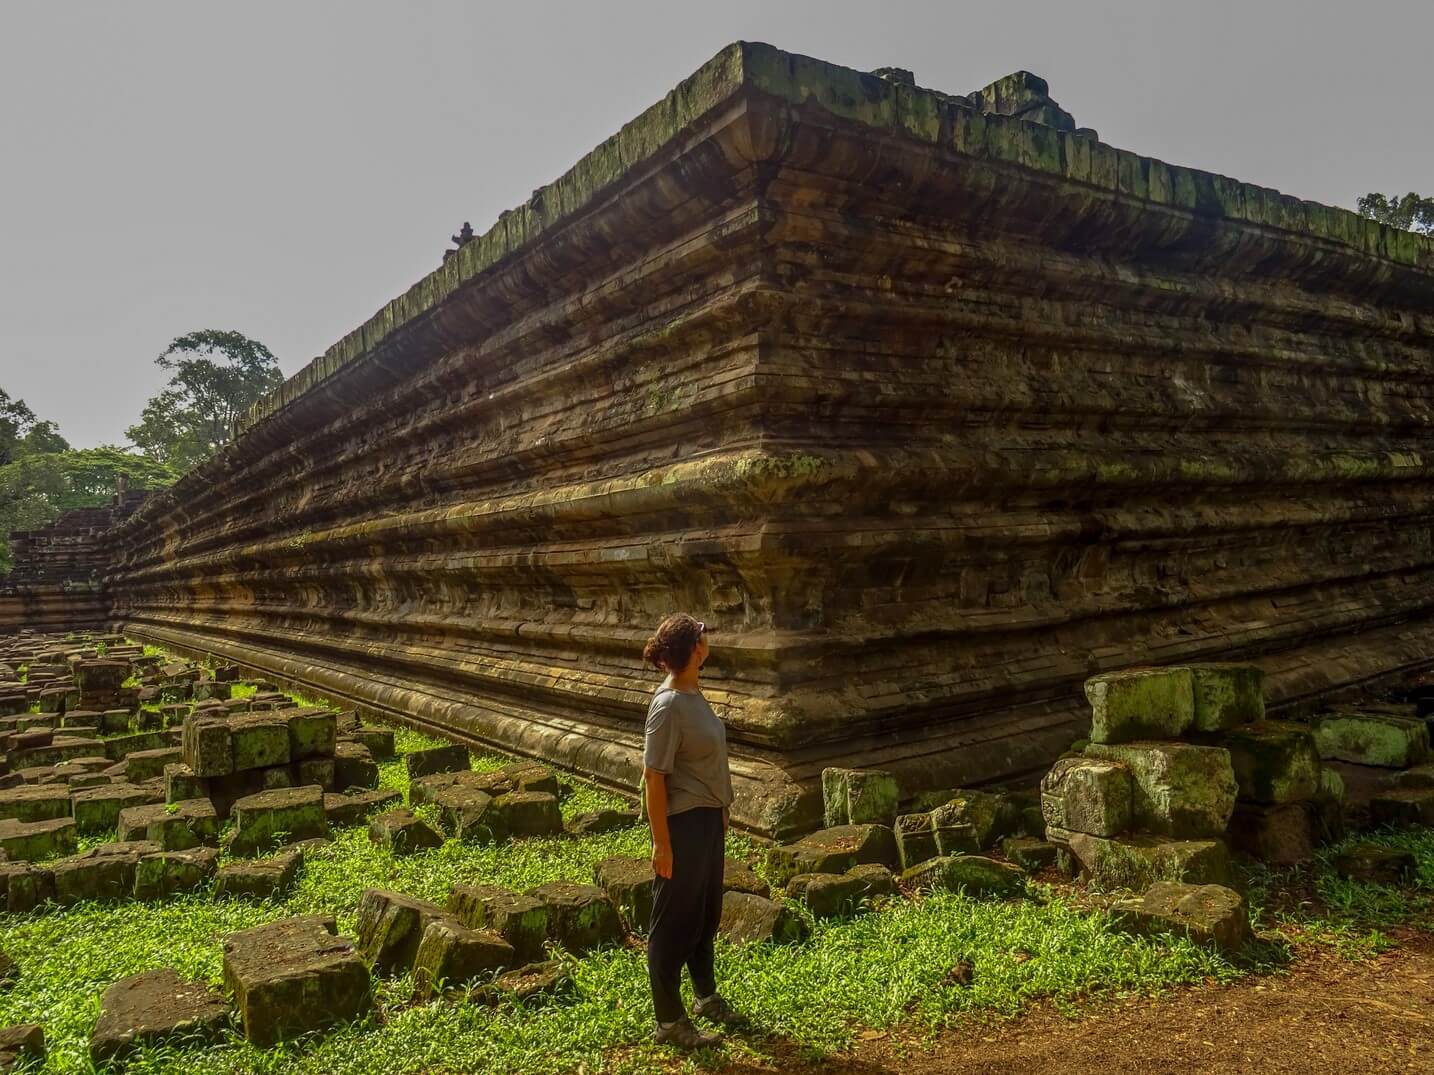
column 1323, row 1015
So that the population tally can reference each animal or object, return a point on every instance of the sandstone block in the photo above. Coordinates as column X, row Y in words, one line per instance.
column 32, row 841
column 976, row 875
column 175, row 827
column 751, row 919
column 594, row 822
column 1274, row 762
column 1277, row 834
column 97, row 809
column 916, row 839
column 1088, row 795
column 22, row 1048
column 1403, row 806
column 1029, row 853
column 390, row 927
column 1140, row 703
column 263, row 879
column 1372, row 739
column 206, row 746
column 313, row 733
column 100, row 878
column 1180, row 790
column 1207, row 914
column 180, row 784
column 292, row 977
column 450, row 954
column 524, row 813
column 628, row 883
column 33, row 802
column 168, row 873
column 859, row 797
column 148, row 764
column 580, row 917
column 403, row 832
column 1137, row 862
column 291, row 813
column 258, row 741
column 1377, row 865
column 738, row 876
column 24, row 886
column 989, row 815
column 378, row 741
column 827, row 895
column 833, row 850
column 549, row 978
column 355, row 807
column 447, row 759
column 354, row 767
column 466, row 813
column 320, row 772
column 519, row 919
column 1226, row 695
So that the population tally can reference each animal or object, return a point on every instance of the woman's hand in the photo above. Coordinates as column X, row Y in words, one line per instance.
column 662, row 860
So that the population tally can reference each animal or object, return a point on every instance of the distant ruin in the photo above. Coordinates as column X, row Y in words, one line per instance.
column 932, row 406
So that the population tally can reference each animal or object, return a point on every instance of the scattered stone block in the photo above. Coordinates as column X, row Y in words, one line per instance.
column 98, row 809
column 320, row 772
column 206, row 746
column 355, row 807
column 519, row 919
column 101, row 878
column 260, row 820
column 1403, row 806
column 1029, row 853
column 1377, row 865
column 1138, row 861
column 175, row 827
column 738, row 876
column 169, row 873
column 916, row 839
column 1180, row 790
column 594, row 822
column 1207, row 914
column 549, row 978
column 465, row 811
column 447, row 759
column 1274, row 762
column 827, row 895
column 313, row 733
column 1419, row 776
column 1277, row 834
column 378, row 741
column 22, row 1047
column 1140, row 703
column 24, row 886
column 292, row 977
column 32, row 802
column 403, row 832
column 976, row 875
column 258, row 741
column 628, row 883
column 1226, row 695
column 876, row 880
column 859, row 797
column 1372, row 739
column 9, row 971
column 580, row 917
column 833, row 850
column 148, row 764
column 263, row 879
column 32, row 841
column 520, row 814
column 1088, row 795
column 751, row 919
column 982, row 816
column 354, row 767
column 390, row 927
column 450, row 954
column 157, row 1007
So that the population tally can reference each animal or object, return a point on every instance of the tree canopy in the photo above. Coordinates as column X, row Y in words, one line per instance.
column 215, row 376
column 1412, row 212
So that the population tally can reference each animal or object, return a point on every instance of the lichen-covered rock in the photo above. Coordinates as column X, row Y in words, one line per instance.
column 1377, row 865
column 1226, row 695
column 1274, row 762
column 859, row 797
column 34, row 802
column 206, row 746
column 262, row 879
column 378, row 741
column 833, row 850
column 1403, row 806
column 1138, row 861
column 751, row 919
column 1372, row 739
column 876, row 880
column 827, row 895
column 580, row 917
column 180, row 784
column 389, row 928
column 293, row 977
column 1088, row 795
column 280, row 816
column 147, row 764
column 1140, row 703
column 519, row 919
column 403, row 832
column 22, row 1048
column 155, row 1008
column 976, row 875
column 916, row 839
column 1207, row 914
column 313, row 733
column 163, row 874
column 739, row 876
column 92, row 876
column 628, row 880
column 1180, row 789
column 356, row 807
column 594, row 822
column 549, row 978
column 445, row 759
column 354, row 767
column 519, row 814
column 34, row 841
column 1029, row 853
column 450, row 954
column 258, row 741
column 24, row 886
column 98, row 809
column 989, row 815
column 1277, row 834
column 467, row 812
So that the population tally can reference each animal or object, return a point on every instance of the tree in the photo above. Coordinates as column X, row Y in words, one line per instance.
column 1411, row 212
column 21, row 433
column 215, row 377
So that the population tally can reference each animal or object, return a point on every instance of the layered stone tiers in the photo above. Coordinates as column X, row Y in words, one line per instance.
column 930, row 413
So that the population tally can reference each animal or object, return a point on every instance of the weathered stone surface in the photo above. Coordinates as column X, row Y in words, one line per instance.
column 739, row 876
column 916, row 839
column 593, row 822
column 751, row 919
column 163, row 874
column 175, row 827
column 1280, row 834
column 524, row 813
column 549, row 978
column 180, row 784
column 859, row 797
column 1379, row 865
column 148, row 764
column 292, row 977
column 519, row 919
column 258, row 741
column 263, row 879
column 390, row 927
column 291, row 813
column 32, row 802
column 1088, row 795
column 450, row 954
column 23, row 886
column 1029, row 853
column 580, row 917
column 446, row 759
column 1226, row 695
column 1140, row 703
column 99, row 808
column 1372, row 739
column 22, row 1047
column 1274, row 762
column 827, row 895
column 1403, row 806
column 1137, row 862
column 1179, row 789
column 313, row 733
column 834, row 850
column 33, row 841
column 985, row 816
column 1207, row 914
column 206, row 746
column 155, row 1008
column 628, row 884
column 976, row 875
column 354, row 767
column 355, row 807
column 403, row 832
column 98, row 877
column 377, row 741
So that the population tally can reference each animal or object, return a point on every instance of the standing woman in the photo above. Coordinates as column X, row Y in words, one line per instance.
column 688, row 790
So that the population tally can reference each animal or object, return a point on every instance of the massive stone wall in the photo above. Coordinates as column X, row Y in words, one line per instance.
column 931, row 413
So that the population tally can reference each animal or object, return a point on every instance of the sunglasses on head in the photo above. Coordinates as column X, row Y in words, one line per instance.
column 701, row 627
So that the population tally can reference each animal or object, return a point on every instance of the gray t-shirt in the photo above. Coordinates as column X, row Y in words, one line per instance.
column 686, row 741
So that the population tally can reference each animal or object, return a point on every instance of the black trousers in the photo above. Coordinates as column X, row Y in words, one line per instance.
column 686, row 908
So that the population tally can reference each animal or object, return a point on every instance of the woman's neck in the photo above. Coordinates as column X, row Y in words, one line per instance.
column 685, row 680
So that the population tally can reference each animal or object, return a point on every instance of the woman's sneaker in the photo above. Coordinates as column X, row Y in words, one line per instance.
column 717, row 1010
column 684, row 1035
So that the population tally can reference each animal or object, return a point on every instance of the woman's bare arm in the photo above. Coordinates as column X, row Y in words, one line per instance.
column 656, row 784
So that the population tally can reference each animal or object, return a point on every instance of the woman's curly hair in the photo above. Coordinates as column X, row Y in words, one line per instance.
column 671, row 645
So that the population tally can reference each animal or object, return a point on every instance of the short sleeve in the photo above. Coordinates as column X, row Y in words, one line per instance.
column 661, row 734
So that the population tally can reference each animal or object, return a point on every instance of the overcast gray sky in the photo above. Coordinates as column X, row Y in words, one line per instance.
column 284, row 169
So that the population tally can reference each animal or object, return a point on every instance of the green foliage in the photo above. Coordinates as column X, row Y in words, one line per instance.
column 215, row 376
column 22, row 434
column 1411, row 212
